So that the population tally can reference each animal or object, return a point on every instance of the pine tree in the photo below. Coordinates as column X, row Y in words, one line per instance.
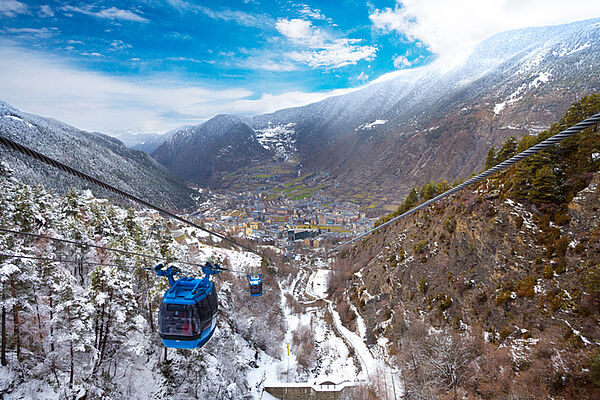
column 490, row 160
column 508, row 149
column 545, row 186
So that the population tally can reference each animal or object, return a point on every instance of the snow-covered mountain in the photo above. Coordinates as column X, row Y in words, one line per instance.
column 201, row 153
column 439, row 119
column 146, row 142
column 94, row 153
column 281, row 139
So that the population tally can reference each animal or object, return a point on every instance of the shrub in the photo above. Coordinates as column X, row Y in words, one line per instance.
column 450, row 225
column 595, row 368
column 423, row 285
column 401, row 254
column 420, row 246
column 519, row 222
column 524, row 287
column 502, row 297
column 548, row 272
column 561, row 265
column 561, row 245
column 504, row 333
column 445, row 302
column 592, row 280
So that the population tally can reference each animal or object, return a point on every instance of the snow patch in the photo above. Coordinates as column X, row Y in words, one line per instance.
column 566, row 52
column 279, row 139
column 371, row 125
column 15, row 118
column 543, row 77
column 512, row 98
column 318, row 283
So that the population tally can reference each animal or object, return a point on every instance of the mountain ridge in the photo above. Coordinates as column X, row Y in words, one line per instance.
column 510, row 84
column 95, row 153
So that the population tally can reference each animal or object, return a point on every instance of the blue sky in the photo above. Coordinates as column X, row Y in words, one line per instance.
column 149, row 66
column 262, row 44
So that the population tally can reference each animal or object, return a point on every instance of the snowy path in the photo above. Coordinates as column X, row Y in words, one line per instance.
column 370, row 366
column 334, row 343
column 368, row 363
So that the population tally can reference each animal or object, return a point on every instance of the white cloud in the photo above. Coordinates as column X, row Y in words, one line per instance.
column 41, row 84
column 119, row 45
column 313, row 13
column 92, row 54
column 401, row 62
column 323, row 50
column 11, row 8
column 445, row 26
column 46, row 11
column 266, row 64
column 301, row 31
column 32, row 33
column 336, row 54
column 239, row 17
column 112, row 13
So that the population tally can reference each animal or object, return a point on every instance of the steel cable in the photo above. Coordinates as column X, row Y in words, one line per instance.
column 593, row 120
column 63, row 167
column 130, row 253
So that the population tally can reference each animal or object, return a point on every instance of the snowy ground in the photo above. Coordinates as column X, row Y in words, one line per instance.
column 332, row 342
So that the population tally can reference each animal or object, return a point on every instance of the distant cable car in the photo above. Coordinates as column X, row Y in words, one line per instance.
column 255, row 282
column 187, row 317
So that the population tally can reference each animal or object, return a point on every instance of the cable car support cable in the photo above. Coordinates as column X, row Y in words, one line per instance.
column 63, row 167
column 83, row 244
column 593, row 120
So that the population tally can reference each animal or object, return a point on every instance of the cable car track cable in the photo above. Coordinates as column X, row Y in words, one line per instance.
column 65, row 168
column 60, row 260
column 130, row 253
column 591, row 121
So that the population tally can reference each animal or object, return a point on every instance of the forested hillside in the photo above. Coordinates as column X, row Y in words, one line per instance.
column 96, row 154
column 494, row 292
column 82, row 322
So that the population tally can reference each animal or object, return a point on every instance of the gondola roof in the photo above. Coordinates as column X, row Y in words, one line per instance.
column 187, row 291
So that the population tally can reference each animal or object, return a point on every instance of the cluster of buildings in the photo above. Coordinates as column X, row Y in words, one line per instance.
column 284, row 223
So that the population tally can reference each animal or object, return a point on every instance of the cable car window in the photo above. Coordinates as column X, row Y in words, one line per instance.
column 255, row 288
column 212, row 299
column 176, row 319
column 205, row 314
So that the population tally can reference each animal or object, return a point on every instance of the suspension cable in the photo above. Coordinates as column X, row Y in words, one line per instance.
column 130, row 253
column 593, row 120
column 83, row 244
column 63, row 260
column 65, row 168
column 59, row 260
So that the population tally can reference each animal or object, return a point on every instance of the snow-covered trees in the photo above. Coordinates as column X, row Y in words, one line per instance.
column 78, row 321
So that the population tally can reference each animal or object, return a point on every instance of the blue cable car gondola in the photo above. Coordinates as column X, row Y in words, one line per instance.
column 255, row 282
column 187, row 317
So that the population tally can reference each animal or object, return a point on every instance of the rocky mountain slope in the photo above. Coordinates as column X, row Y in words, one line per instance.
column 433, row 122
column 94, row 153
column 497, row 287
column 202, row 153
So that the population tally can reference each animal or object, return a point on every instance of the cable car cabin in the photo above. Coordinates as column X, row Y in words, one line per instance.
column 255, row 283
column 187, row 317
